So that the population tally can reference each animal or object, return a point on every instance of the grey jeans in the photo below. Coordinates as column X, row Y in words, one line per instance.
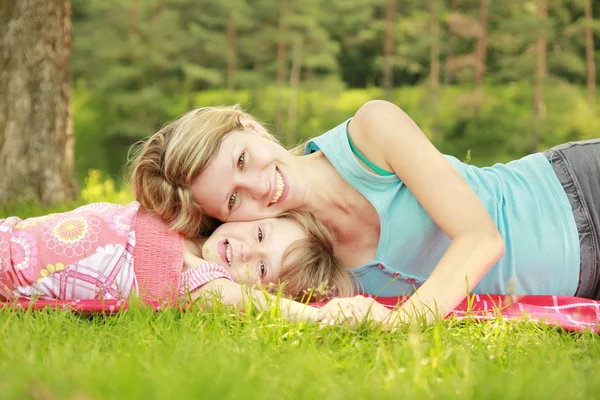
column 577, row 166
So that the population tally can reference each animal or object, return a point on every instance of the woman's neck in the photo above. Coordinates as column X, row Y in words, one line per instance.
column 328, row 196
column 325, row 188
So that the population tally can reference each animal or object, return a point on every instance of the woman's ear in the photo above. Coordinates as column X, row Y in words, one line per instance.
column 252, row 126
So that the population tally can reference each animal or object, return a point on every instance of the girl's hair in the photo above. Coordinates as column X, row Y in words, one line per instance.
column 310, row 270
column 163, row 167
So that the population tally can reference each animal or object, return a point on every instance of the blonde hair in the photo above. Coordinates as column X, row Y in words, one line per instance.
column 310, row 270
column 163, row 167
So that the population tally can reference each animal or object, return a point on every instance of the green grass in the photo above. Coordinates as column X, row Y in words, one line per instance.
column 139, row 354
column 212, row 354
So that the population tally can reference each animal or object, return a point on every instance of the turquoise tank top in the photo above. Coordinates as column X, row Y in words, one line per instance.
column 523, row 197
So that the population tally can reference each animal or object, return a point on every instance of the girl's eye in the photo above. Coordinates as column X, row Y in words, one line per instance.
column 241, row 161
column 232, row 199
column 263, row 269
column 260, row 235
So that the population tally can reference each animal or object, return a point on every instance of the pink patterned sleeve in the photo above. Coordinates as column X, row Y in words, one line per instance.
column 192, row 279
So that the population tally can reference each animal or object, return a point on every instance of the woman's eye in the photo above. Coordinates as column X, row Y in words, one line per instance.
column 241, row 161
column 263, row 269
column 232, row 199
column 260, row 235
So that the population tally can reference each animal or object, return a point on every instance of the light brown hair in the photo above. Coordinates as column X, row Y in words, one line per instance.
column 310, row 268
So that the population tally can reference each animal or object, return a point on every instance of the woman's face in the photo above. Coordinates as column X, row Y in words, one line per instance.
column 250, row 178
column 252, row 252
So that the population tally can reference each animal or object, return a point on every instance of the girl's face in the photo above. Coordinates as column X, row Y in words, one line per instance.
column 250, row 178
column 253, row 251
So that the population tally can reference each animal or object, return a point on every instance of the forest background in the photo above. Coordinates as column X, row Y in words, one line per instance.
column 487, row 81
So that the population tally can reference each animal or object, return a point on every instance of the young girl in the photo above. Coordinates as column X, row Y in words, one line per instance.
column 407, row 219
column 109, row 251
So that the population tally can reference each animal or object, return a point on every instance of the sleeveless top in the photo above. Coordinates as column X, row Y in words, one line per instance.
column 523, row 197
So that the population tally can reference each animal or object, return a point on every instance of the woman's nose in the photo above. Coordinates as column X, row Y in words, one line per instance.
column 258, row 186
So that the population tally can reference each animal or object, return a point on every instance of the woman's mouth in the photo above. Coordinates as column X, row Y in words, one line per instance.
column 226, row 252
column 281, row 188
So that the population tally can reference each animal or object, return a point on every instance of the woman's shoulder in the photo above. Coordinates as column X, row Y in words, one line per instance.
column 331, row 136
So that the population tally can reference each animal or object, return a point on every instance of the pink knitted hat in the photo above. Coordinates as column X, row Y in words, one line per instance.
column 157, row 258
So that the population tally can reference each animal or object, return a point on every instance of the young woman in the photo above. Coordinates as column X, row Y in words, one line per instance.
column 407, row 219
column 109, row 251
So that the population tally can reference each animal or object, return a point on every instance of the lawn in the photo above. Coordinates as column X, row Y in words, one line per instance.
column 213, row 354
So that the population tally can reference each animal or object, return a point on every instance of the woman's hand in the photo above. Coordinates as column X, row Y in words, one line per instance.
column 354, row 310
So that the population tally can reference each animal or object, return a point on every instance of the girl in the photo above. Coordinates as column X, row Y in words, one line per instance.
column 109, row 251
column 407, row 219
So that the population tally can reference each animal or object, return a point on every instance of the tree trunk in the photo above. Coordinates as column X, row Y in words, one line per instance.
column 481, row 49
column 281, row 64
column 589, row 54
column 294, row 88
column 36, row 135
column 450, row 46
column 160, row 7
column 231, row 44
column 388, row 49
column 540, row 76
column 434, row 73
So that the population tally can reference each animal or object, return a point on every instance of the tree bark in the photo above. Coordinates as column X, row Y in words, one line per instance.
column 231, row 43
column 589, row 54
column 540, row 77
column 388, row 49
column 36, row 135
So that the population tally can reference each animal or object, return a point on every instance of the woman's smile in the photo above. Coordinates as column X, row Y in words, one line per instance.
column 281, row 188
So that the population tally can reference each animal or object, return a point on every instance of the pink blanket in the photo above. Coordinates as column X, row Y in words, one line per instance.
column 570, row 313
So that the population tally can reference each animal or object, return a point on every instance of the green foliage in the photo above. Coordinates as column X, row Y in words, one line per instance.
column 98, row 189
column 498, row 132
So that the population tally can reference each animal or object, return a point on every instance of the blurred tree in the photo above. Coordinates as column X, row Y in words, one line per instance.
column 434, row 70
column 36, row 136
column 388, row 48
column 589, row 53
column 481, row 49
column 358, row 27
column 540, row 77
column 465, row 25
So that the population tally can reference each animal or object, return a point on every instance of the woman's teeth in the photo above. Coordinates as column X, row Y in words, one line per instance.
column 280, row 188
column 228, row 252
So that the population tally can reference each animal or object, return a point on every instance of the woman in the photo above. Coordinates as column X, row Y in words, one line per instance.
column 407, row 219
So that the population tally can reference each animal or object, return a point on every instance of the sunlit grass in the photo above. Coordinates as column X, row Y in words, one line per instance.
column 217, row 354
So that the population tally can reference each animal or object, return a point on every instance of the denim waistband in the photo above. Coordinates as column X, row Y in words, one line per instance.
column 585, row 228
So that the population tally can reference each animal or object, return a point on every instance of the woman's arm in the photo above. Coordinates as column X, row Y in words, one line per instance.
column 389, row 138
